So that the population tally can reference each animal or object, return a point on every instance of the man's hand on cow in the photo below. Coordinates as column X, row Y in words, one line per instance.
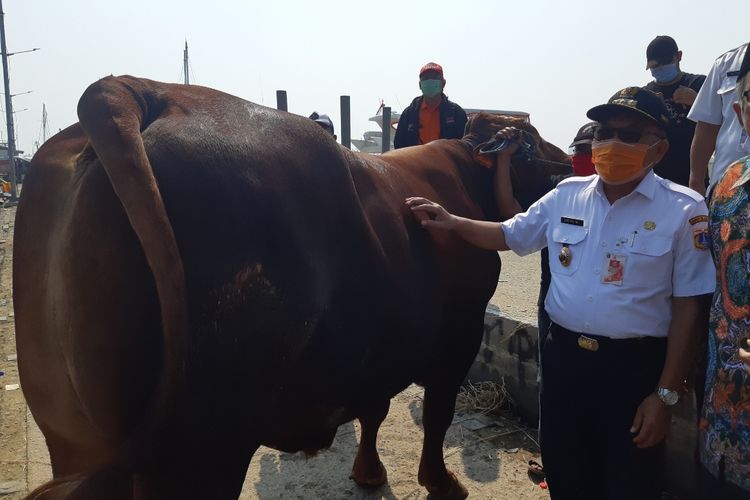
column 510, row 134
column 651, row 422
column 684, row 95
column 430, row 214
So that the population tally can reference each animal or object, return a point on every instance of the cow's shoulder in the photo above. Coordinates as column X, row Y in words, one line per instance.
column 679, row 189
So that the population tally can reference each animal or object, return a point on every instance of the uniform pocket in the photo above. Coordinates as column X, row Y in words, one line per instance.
column 650, row 260
column 573, row 238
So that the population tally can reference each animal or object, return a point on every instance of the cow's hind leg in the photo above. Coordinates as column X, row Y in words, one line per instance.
column 439, row 404
column 368, row 470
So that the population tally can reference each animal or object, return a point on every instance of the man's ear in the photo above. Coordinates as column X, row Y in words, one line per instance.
column 661, row 149
column 443, row 82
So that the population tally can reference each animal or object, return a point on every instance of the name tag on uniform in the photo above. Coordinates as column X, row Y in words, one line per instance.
column 614, row 269
column 572, row 221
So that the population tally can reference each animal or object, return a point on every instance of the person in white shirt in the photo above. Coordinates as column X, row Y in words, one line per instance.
column 716, row 127
column 630, row 269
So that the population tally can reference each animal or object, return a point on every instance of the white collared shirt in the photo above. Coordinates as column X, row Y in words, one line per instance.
column 657, row 232
column 714, row 105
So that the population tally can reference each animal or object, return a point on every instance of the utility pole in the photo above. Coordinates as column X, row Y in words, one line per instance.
column 8, row 109
column 9, row 105
column 186, row 68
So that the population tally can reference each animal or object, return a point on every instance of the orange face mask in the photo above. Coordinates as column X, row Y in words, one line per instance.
column 617, row 162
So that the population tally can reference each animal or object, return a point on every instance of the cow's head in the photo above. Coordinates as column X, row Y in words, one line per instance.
column 480, row 133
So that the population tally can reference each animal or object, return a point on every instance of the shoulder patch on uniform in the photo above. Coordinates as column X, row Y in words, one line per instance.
column 679, row 188
column 698, row 219
column 701, row 240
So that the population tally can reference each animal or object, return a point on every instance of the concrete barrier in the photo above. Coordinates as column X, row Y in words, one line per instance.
column 509, row 352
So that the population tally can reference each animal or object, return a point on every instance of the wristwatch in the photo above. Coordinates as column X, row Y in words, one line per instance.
column 668, row 397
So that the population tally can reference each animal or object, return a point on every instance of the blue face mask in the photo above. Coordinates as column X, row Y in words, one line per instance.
column 665, row 73
column 431, row 88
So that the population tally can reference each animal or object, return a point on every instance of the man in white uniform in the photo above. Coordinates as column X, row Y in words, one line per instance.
column 630, row 266
column 717, row 128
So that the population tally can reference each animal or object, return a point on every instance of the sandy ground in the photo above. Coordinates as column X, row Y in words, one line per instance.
column 518, row 288
column 491, row 461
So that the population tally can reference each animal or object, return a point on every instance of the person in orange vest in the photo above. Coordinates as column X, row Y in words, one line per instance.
column 430, row 116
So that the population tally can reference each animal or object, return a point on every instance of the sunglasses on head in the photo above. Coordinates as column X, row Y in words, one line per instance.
column 626, row 134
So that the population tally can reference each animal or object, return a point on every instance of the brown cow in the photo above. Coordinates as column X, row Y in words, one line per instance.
column 196, row 276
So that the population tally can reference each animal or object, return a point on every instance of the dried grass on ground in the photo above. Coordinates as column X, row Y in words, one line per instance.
column 483, row 397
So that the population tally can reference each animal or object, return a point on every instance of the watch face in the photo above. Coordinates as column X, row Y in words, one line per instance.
column 669, row 397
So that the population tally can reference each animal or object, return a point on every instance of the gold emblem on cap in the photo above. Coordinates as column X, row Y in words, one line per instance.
column 629, row 91
column 565, row 256
column 649, row 225
column 631, row 103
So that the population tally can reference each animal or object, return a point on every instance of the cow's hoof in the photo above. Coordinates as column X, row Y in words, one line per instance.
column 450, row 488
column 373, row 479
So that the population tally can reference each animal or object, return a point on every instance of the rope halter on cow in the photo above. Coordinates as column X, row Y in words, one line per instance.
column 525, row 141
column 526, row 152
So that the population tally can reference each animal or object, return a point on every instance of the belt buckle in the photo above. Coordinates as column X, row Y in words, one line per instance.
column 588, row 343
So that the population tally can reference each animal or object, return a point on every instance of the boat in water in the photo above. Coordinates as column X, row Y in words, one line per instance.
column 372, row 140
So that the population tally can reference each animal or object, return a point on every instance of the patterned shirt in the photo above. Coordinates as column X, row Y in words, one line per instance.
column 725, row 421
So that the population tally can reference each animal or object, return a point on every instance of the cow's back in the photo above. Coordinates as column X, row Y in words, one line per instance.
column 288, row 289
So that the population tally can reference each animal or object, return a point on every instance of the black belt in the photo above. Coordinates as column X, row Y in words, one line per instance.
column 596, row 343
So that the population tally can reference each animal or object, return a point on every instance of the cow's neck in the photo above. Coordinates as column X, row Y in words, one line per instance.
column 478, row 181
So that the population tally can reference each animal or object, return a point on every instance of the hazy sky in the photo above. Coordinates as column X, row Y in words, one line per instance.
column 553, row 59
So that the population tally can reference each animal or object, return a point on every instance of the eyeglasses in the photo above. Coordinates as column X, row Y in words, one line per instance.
column 628, row 135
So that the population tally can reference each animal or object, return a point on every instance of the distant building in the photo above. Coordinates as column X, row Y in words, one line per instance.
column 21, row 163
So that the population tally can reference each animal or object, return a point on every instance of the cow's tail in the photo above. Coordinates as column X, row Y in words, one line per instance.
column 113, row 112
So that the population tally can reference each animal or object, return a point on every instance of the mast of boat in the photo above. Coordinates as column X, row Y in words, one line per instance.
column 186, row 67
column 44, row 123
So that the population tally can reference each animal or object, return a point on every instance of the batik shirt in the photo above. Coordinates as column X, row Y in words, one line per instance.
column 725, row 422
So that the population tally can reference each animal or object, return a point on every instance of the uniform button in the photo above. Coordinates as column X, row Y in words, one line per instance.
column 604, row 243
column 590, row 298
column 587, row 325
column 597, row 271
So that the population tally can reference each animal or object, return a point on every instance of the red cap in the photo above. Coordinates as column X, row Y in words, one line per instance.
column 431, row 66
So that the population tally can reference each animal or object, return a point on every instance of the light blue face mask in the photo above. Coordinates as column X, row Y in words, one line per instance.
column 431, row 88
column 665, row 73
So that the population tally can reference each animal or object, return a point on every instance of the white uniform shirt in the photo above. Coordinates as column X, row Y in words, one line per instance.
column 657, row 233
column 714, row 105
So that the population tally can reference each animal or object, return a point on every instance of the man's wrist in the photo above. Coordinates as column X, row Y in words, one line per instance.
column 458, row 224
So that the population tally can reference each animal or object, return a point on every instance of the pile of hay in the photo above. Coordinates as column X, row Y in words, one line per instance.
column 483, row 397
